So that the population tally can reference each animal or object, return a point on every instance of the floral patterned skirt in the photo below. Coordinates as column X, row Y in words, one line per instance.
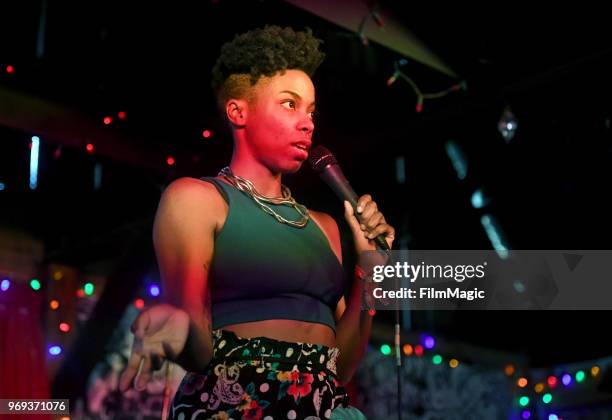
column 261, row 378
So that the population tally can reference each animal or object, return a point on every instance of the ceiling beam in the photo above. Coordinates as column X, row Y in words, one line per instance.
column 349, row 14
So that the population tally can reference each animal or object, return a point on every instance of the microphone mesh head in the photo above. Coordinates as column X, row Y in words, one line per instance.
column 320, row 157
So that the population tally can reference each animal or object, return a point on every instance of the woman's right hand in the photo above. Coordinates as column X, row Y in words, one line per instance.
column 160, row 332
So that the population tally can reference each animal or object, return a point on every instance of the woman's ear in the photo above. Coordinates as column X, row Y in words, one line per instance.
column 236, row 111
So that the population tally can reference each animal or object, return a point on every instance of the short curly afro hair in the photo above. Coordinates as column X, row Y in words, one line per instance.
column 262, row 52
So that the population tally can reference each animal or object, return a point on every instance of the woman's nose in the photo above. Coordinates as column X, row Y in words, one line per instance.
column 306, row 124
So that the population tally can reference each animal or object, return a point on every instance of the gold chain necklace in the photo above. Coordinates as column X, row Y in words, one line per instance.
column 248, row 188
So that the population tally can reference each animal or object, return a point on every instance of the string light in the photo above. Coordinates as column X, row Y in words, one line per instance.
column 429, row 342
column 139, row 303
column 35, row 284
column 170, row 160
column 397, row 74
column 393, row 78
column 5, row 284
column 207, row 134
column 54, row 304
column 10, row 69
column 58, row 275
column 89, row 148
column 121, row 115
column 360, row 31
column 378, row 19
column 154, row 290
column 408, row 350
column 552, row 381
column 107, row 120
column 64, row 327
column 419, row 105
column 55, row 350
column 566, row 379
column 88, row 289
column 375, row 15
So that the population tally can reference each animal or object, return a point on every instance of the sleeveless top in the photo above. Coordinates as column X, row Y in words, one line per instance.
column 262, row 269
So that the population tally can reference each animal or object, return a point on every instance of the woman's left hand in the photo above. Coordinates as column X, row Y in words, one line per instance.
column 371, row 223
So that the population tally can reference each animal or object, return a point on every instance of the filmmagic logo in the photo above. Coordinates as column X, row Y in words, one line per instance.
column 429, row 293
column 427, row 271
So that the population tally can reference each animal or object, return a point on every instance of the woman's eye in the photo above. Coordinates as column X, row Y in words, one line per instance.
column 289, row 104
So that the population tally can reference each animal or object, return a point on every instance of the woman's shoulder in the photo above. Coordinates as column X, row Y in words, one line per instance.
column 191, row 192
column 191, row 203
column 191, row 187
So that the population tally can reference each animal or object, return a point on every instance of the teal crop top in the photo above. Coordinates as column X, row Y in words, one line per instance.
column 262, row 269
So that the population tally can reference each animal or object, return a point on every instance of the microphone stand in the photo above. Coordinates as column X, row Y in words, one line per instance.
column 382, row 245
column 397, row 338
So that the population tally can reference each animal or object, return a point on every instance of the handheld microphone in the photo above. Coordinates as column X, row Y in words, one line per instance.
column 325, row 164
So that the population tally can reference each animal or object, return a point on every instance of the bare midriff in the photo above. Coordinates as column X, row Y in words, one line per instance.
column 286, row 330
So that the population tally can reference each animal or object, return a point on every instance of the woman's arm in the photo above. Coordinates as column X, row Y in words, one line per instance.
column 183, row 235
column 353, row 324
column 180, row 331
column 353, row 328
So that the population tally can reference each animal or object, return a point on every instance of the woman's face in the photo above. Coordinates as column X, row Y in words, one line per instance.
column 280, row 121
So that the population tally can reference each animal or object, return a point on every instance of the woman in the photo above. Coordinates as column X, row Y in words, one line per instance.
column 257, row 315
